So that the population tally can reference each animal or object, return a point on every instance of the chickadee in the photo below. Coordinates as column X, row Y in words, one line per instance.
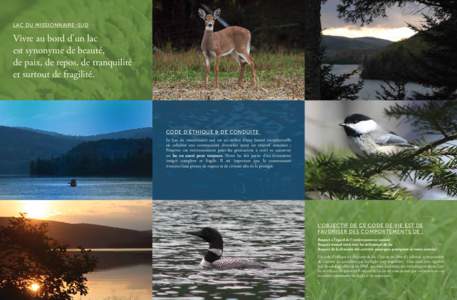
column 366, row 137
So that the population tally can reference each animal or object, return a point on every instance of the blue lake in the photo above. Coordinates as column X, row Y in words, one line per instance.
column 57, row 188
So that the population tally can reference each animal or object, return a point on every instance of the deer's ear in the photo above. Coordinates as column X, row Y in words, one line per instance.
column 201, row 13
column 217, row 13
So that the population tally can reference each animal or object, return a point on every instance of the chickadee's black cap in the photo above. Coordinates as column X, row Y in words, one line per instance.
column 355, row 118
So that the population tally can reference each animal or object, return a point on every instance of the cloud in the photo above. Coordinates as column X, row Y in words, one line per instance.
column 131, row 214
column 397, row 17
column 123, row 214
column 392, row 34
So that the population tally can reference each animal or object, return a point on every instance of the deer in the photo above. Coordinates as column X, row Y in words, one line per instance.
column 233, row 40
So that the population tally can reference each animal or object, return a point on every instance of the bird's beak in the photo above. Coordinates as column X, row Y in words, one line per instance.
column 196, row 233
column 342, row 125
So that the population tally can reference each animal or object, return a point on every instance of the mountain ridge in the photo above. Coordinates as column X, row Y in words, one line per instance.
column 344, row 50
column 88, row 235
column 54, row 133
column 25, row 145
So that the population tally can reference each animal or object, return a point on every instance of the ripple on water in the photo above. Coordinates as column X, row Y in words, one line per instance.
column 57, row 188
column 269, row 231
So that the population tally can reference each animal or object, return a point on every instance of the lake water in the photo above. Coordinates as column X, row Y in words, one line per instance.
column 370, row 87
column 271, row 232
column 120, row 275
column 57, row 188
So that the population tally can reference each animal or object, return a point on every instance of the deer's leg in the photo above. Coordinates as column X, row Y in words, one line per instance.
column 216, row 70
column 253, row 71
column 240, row 80
column 242, row 64
column 208, row 69
column 250, row 61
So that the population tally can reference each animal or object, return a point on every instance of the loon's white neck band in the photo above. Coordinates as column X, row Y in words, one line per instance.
column 218, row 252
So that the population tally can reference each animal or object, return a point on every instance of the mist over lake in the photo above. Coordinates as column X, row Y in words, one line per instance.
column 58, row 188
column 370, row 87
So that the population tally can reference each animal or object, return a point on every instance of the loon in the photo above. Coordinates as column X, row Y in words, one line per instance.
column 213, row 258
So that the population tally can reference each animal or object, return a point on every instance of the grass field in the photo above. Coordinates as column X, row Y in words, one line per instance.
column 180, row 75
column 439, row 222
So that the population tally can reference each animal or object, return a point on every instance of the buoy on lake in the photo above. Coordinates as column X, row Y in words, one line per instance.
column 73, row 183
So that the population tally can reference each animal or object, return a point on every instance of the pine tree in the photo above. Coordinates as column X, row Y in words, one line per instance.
column 440, row 60
column 29, row 256
column 334, row 87
column 380, row 177
column 392, row 90
column 320, row 83
column 312, row 50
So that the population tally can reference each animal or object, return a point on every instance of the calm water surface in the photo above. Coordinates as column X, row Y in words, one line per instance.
column 120, row 275
column 57, row 188
column 271, row 232
column 370, row 87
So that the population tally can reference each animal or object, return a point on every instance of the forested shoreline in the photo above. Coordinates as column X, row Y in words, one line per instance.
column 108, row 158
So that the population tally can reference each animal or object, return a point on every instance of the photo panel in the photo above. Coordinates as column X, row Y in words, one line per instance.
column 219, row 50
column 83, row 249
column 380, row 150
column 380, row 50
column 57, row 150
column 210, row 249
